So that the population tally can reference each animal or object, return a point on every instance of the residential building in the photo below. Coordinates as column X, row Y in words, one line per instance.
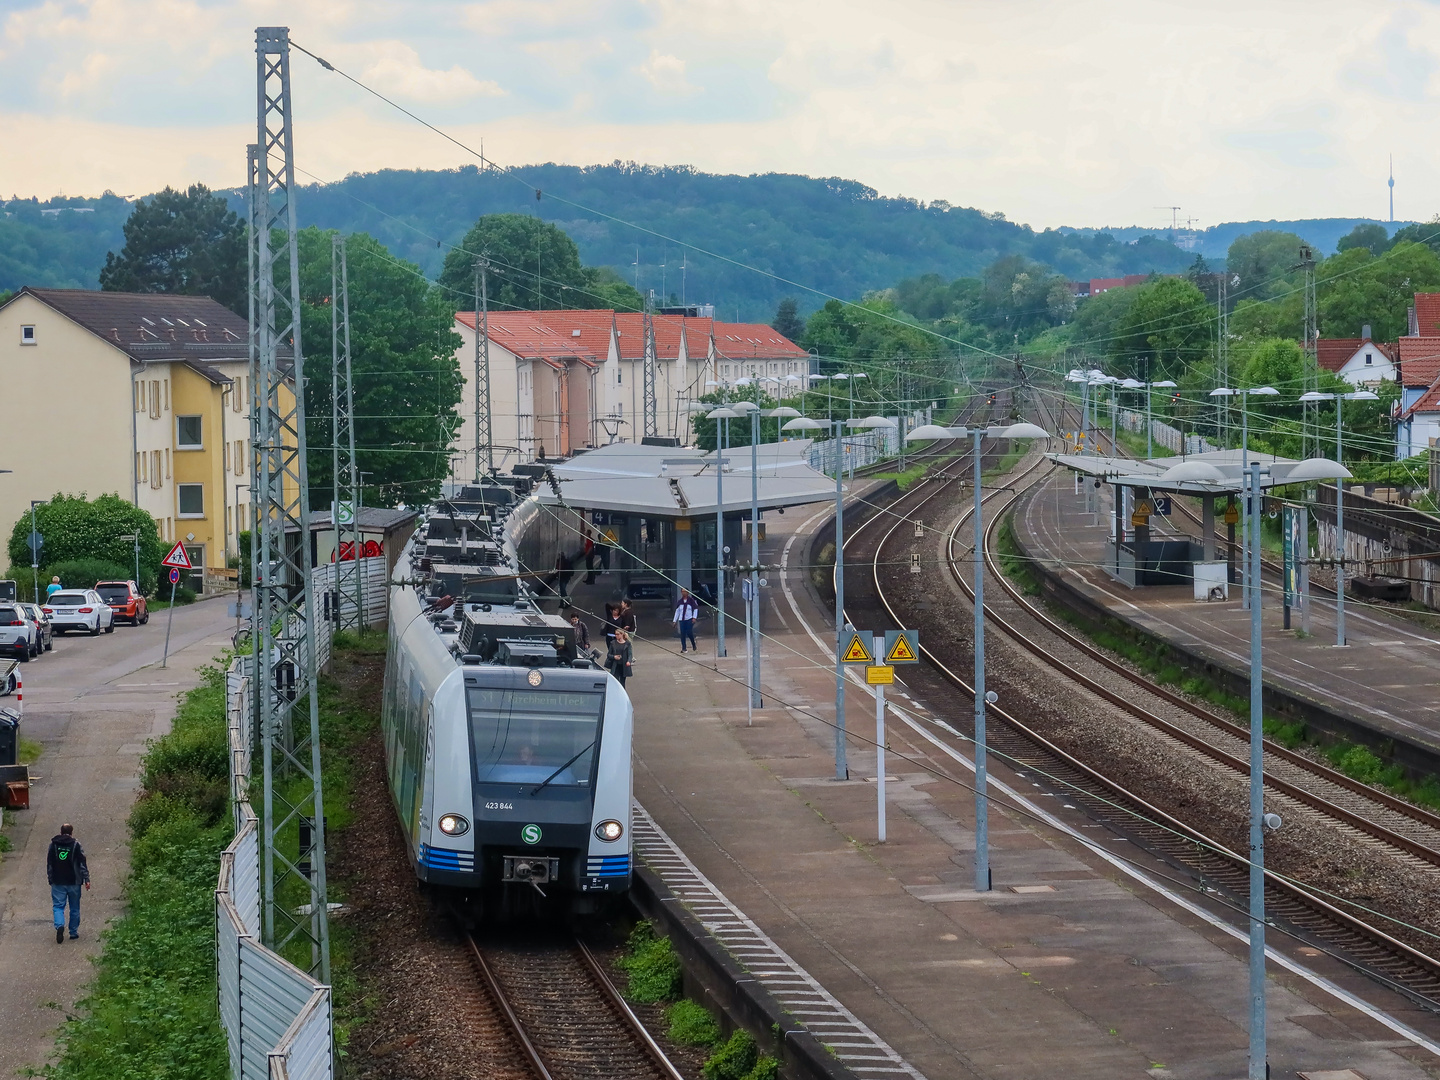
column 143, row 395
column 1359, row 361
column 561, row 381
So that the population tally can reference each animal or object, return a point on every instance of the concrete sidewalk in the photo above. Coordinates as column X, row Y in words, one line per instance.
column 92, row 704
column 1067, row 969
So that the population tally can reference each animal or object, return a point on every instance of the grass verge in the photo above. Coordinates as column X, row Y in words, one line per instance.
column 654, row 977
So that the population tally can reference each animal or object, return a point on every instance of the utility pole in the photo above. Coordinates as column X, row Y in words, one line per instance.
column 284, row 608
column 1312, row 352
column 484, row 444
column 648, row 364
column 348, row 577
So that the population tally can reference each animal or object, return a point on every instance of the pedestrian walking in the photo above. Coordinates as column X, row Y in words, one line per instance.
column 67, row 871
column 612, row 623
column 620, row 660
column 53, row 587
column 686, row 612
column 582, row 632
column 628, row 621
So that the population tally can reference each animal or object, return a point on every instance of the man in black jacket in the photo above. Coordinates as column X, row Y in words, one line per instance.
column 66, row 869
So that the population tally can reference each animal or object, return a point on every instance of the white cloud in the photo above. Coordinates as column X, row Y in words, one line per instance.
column 665, row 72
column 398, row 70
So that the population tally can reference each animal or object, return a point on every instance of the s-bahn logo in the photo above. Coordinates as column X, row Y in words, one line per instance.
column 531, row 834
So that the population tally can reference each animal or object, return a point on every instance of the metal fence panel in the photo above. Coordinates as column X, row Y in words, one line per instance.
column 277, row 1020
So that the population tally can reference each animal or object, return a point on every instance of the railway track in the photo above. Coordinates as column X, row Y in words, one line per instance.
column 1405, row 830
column 564, row 1017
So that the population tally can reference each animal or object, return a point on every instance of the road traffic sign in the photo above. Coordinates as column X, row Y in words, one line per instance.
column 174, row 575
column 857, row 652
column 902, row 646
column 879, row 675
column 178, row 558
column 35, row 540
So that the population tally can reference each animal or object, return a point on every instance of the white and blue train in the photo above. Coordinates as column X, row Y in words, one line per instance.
column 507, row 753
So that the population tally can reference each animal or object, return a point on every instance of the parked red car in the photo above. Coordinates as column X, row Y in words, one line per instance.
column 125, row 600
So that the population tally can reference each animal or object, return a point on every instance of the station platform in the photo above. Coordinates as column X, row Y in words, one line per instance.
column 1386, row 680
column 1071, row 967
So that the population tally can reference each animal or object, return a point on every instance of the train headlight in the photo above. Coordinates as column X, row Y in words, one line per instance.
column 609, row 831
column 454, row 825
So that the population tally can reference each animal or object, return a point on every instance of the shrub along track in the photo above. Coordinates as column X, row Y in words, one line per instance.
column 1156, row 775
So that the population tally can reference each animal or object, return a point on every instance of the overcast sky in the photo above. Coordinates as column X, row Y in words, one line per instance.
column 1053, row 112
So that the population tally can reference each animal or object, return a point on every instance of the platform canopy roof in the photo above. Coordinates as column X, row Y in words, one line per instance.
column 1214, row 473
column 679, row 482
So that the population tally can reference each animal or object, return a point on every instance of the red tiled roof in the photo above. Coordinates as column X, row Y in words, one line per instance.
column 526, row 335
column 668, row 330
column 594, row 324
column 1419, row 360
column 1334, row 353
column 1427, row 313
column 1428, row 402
column 739, row 341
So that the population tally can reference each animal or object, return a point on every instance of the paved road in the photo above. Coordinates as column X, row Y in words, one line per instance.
column 92, row 703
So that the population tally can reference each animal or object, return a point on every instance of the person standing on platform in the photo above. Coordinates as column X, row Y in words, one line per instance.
column 628, row 622
column 686, row 612
column 582, row 633
column 620, row 661
column 612, row 623
column 67, row 871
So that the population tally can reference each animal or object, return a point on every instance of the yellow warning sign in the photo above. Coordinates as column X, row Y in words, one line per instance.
column 902, row 646
column 857, row 652
column 879, row 675
column 901, row 652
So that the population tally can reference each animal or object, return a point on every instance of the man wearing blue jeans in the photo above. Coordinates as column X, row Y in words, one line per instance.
column 66, row 869
column 686, row 612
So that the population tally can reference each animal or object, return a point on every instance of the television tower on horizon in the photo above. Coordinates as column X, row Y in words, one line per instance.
column 1392, row 189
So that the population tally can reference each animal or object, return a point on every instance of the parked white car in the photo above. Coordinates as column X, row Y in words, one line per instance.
column 17, row 633
column 79, row 609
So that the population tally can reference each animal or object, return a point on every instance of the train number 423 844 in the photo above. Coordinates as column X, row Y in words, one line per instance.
column 499, row 806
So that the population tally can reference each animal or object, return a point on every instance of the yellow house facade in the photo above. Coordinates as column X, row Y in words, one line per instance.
column 143, row 395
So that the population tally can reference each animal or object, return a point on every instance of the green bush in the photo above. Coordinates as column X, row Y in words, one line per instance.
column 77, row 528
column 652, row 967
column 691, row 1024
column 733, row 1061
column 79, row 573
column 767, row 1068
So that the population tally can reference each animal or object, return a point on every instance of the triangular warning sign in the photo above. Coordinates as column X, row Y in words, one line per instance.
column 901, row 652
column 856, row 652
column 178, row 558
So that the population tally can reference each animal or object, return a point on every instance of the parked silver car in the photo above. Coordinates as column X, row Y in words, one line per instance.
column 17, row 633
column 79, row 609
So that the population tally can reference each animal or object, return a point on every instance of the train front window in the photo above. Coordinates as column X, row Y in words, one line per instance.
column 523, row 736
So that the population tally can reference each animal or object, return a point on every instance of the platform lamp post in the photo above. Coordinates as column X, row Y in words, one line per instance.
column 982, row 810
column 751, row 607
column 722, row 418
column 1304, row 472
column 1244, row 394
column 1339, row 399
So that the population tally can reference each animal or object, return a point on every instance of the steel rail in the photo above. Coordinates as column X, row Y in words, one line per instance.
column 1296, row 895
column 502, row 1001
column 622, row 1007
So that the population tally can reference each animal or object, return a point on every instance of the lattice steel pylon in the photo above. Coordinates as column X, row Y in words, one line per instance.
column 292, row 871
column 652, row 428
column 348, row 606
column 1310, row 415
column 484, row 441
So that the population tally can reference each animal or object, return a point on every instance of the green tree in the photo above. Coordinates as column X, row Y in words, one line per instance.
column 406, row 380
column 1427, row 233
column 1168, row 327
column 182, row 242
column 1264, row 261
column 1356, row 289
column 76, row 528
column 605, row 288
column 787, row 320
column 1373, row 238
column 533, row 265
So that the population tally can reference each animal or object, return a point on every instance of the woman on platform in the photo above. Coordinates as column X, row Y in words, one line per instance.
column 620, row 659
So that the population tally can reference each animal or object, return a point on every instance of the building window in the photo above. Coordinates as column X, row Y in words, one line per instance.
column 167, row 463
column 191, row 500
column 620, row 378
column 27, row 335
column 156, row 476
column 154, row 399
column 1369, row 359
column 187, row 433
column 167, row 395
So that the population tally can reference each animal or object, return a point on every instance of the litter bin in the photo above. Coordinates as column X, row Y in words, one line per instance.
column 9, row 737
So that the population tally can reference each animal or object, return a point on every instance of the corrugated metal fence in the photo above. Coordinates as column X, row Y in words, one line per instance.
column 277, row 1019
column 1162, row 434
